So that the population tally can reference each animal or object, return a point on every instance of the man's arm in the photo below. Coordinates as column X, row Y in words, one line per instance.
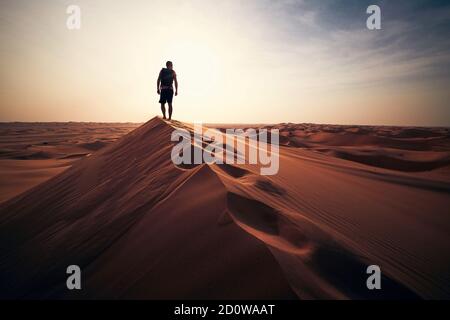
column 176, row 83
column 158, row 83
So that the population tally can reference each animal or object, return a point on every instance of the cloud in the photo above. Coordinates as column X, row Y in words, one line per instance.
column 331, row 37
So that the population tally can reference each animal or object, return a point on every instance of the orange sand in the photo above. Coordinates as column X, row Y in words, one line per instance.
column 139, row 227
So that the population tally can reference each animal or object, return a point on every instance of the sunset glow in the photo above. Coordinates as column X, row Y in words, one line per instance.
column 261, row 61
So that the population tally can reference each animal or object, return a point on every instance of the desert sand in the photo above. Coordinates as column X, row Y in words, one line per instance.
column 31, row 153
column 140, row 227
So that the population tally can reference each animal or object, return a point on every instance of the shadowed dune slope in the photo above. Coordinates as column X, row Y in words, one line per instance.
column 138, row 227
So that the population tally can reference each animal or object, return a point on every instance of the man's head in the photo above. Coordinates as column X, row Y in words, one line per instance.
column 169, row 64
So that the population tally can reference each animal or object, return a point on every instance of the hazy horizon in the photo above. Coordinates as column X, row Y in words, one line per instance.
column 218, row 124
column 254, row 62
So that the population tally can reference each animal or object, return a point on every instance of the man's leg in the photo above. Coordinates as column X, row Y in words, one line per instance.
column 170, row 110
column 163, row 109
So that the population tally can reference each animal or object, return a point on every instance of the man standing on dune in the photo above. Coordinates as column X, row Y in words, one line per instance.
column 165, row 89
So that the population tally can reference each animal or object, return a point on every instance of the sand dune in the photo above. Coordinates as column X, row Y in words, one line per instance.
column 397, row 148
column 31, row 153
column 140, row 227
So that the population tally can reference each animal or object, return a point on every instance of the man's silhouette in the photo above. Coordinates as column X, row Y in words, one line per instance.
column 165, row 89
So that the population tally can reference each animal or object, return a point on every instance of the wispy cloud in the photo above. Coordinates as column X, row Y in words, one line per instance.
column 332, row 36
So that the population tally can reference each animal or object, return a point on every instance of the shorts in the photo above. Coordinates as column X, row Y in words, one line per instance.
column 166, row 95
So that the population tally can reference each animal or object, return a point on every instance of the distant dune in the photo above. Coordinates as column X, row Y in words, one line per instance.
column 397, row 148
column 31, row 153
column 140, row 227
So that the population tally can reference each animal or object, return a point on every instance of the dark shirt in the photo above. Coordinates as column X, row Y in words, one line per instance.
column 167, row 76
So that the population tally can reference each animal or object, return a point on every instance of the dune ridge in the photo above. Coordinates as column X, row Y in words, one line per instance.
column 140, row 227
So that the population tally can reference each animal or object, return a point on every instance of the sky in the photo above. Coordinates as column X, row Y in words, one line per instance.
column 252, row 61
